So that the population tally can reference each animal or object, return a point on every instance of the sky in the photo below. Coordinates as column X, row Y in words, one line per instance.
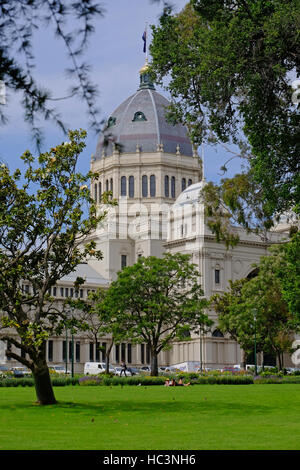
column 115, row 53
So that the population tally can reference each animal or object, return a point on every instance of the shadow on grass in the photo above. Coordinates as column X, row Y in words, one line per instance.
column 150, row 407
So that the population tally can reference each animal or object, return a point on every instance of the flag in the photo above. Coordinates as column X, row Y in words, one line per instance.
column 144, row 37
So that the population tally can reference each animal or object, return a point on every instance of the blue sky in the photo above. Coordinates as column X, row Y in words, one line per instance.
column 115, row 52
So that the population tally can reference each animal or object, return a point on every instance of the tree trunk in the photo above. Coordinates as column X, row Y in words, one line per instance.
column 154, row 364
column 107, row 357
column 279, row 360
column 43, row 385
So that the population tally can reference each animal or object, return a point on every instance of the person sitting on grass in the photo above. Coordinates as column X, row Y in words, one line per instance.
column 180, row 382
column 167, row 383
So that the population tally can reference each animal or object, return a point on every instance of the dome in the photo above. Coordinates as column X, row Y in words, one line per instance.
column 140, row 122
column 190, row 195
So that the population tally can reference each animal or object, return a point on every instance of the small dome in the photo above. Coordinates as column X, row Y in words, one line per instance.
column 191, row 195
column 140, row 123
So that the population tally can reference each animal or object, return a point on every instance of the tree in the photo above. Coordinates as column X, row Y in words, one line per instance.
column 98, row 319
column 157, row 301
column 231, row 67
column 234, row 320
column 288, row 273
column 274, row 325
column 44, row 225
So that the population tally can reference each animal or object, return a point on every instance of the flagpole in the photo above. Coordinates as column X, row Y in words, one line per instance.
column 146, row 41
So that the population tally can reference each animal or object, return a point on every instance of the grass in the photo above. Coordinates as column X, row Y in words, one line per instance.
column 153, row 418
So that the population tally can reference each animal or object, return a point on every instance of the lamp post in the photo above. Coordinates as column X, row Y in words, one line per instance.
column 72, row 369
column 255, row 360
column 66, row 352
column 200, row 344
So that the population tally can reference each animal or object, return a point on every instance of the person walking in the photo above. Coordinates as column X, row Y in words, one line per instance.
column 124, row 368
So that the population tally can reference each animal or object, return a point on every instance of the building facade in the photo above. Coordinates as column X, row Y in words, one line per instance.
column 152, row 170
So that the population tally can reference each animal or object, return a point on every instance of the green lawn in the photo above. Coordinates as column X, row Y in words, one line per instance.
column 153, row 418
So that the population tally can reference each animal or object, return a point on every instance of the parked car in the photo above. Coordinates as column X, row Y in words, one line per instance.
column 4, row 371
column 94, row 368
column 292, row 370
column 59, row 369
column 20, row 371
column 145, row 369
column 129, row 371
column 204, row 369
column 233, row 370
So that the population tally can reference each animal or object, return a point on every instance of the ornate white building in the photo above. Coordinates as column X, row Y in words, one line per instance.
column 155, row 175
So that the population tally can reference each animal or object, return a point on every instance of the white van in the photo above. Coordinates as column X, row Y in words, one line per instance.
column 94, row 368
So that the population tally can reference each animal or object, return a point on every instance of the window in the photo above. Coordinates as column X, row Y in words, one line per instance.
column 148, row 357
column 61, row 291
column 217, row 334
column 131, row 186
column 9, row 349
column 66, row 292
column 95, row 192
column 111, row 121
column 217, row 276
column 173, row 187
column 50, row 350
column 123, row 352
column 103, row 351
column 71, row 292
column 144, row 186
column 123, row 186
column 123, row 261
column 91, row 352
column 111, row 185
column 139, row 116
column 106, row 185
column 167, row 186
column 183, row 184
column 190, row 182
column 152, row 186
column 81, row 293
column 99, row 191
column 71, row 352
column 129, row 355
column 142, row 353
column 117, row 353
column 54, row 290
column 77, row 349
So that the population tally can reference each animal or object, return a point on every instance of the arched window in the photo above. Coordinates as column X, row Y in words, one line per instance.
column 131, row 186
column 106, row 185
column 123, row 186
column 111, row 121
column 190, row 182
column 218, row 334
column 144, row 186
column 111, row 185
column 183, row 184
column 167, row 193
column 253, row 273
column 95, row 192
column 139, row 116
column 173, row 187
column 152, row 186
column 99, row 191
